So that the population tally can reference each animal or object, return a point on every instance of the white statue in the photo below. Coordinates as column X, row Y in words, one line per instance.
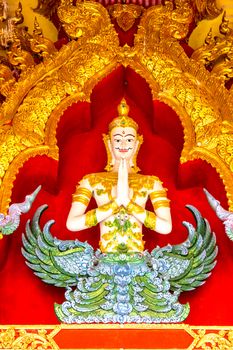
column 121, row 193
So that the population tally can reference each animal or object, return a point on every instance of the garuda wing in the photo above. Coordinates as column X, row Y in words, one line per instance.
column 55, row 261
column 189, row 264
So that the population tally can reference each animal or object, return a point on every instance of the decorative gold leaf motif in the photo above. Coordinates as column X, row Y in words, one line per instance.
column 125, row 15
column 17, row 339
column 217, row 341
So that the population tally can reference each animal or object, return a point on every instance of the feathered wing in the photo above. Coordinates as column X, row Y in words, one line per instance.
column 189, row 264
column 55, row 261
column 61, row 263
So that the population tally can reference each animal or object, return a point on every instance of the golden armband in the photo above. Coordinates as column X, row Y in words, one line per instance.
column 90, row 218
column 158, row 194
column 111, row 205
column 161, row 203
column 82, row 195
column 82, row 200
column 134, row 208
column 150, row 220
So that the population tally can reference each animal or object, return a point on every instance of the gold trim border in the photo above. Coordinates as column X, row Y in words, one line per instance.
column 220, row 336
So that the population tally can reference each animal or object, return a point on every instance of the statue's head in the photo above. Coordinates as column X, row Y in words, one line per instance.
column 122, row 140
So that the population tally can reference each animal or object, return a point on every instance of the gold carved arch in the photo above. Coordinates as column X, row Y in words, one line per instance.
column 32, row 109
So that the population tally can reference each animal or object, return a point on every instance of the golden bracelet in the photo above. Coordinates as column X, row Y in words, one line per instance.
column 150, row 220
column 134, row 208
column 90, row 218
column 158, row 194
column 162, row 203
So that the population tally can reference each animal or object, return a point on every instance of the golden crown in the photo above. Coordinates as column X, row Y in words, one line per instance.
column 123, row 120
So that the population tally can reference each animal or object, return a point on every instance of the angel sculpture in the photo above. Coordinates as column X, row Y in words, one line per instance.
column 121, row 282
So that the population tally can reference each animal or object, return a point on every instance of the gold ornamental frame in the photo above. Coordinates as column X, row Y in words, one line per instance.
column 34, row 104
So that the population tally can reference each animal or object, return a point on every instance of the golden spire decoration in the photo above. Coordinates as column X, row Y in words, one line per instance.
column 123, row 120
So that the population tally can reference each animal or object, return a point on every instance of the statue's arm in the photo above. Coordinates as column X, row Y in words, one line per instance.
column 78, row 219
column 159, row 220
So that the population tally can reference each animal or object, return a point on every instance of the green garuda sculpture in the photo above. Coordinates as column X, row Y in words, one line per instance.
column 121, row 282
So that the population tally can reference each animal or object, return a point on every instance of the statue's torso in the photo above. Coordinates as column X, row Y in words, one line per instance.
column 121, row 229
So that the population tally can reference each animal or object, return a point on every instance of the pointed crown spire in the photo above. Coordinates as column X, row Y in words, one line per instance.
column 123, row 120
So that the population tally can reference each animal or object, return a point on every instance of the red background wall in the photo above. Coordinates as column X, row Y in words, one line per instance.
column 25, row 299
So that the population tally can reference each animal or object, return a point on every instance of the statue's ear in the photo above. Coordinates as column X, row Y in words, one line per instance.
column 132, row 160
column 110, row 155
column 112, row 161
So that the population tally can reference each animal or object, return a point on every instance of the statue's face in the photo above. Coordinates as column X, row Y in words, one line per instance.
column 123, row 142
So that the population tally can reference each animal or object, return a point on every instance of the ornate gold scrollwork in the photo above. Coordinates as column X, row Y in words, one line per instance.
column 17, row 339
column 43, row 92
column 220, row 340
